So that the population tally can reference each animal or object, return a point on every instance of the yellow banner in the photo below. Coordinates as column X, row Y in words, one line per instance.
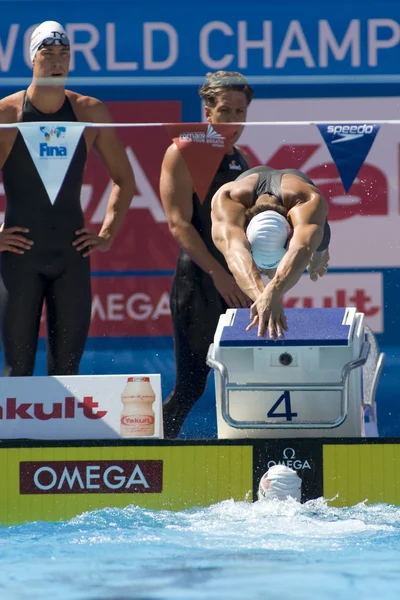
column 355, row 473
column 53, row 484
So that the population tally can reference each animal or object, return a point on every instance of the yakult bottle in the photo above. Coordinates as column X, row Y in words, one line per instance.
column 137, row 417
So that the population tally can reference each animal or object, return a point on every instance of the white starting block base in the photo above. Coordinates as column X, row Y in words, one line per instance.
column 310, row 384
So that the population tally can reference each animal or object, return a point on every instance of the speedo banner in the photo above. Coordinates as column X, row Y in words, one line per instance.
column 349, row 146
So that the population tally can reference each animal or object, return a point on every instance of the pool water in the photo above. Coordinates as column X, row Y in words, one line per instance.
column 232, row 550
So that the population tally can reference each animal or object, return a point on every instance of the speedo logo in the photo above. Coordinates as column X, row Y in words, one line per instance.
column 347, row 133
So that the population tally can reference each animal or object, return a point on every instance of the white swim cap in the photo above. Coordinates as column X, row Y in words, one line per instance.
column 49, row 30
column 279, row 482
column 267, row 233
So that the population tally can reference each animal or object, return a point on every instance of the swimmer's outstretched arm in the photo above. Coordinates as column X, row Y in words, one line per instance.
column 308, row 221
column 176, row 191
column 228, row 210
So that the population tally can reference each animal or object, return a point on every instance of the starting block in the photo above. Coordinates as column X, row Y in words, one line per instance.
column 320, row 381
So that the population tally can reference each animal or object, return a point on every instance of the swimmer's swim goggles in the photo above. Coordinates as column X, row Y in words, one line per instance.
column 51, row 41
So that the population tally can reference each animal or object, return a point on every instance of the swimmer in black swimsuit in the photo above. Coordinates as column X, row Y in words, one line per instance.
column 203, row 288
column 271, row 222
column 44, row 245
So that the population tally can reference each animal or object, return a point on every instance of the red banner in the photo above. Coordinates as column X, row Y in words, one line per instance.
column 131, row 306
column 144, row 241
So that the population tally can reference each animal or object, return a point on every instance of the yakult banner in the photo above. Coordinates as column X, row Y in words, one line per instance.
column 81, row 407
column 364, row 291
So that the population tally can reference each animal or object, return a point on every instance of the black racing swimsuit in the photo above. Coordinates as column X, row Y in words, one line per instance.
column 269, row 182
column 52, row 270
column 196, row 307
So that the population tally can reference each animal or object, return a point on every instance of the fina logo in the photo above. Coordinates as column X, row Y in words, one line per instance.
column 349, row 132
column 289, row 459
column 52, row 135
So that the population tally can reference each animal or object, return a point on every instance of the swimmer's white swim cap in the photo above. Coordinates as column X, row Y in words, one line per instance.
column 46, row 31
column 268, row 233
column 279, row 482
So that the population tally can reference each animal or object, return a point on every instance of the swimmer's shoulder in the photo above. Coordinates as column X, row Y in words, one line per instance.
column 11, row 107
column 88, row 108
column 173, row 161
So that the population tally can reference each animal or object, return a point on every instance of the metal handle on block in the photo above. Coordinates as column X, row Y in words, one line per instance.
column 342, row 386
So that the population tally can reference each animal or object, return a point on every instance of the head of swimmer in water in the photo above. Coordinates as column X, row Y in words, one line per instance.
column 50, row 51
column 226, row 96
column 268, row 231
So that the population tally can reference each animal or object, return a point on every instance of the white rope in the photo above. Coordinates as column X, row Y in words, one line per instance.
column 188, row 125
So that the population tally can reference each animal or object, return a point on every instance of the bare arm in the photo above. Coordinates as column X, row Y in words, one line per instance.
column 176, row 190
column 308, row 221
column 228, row 220
column 114, row 157
column 8, row 114
column 11, row 238
column 113, row 154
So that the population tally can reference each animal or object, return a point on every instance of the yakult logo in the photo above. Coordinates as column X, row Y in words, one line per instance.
column 69, row 409
column 73, row 477
column 127, row 420
column 290, row 460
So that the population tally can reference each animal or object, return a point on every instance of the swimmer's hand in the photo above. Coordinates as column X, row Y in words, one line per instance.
column 318, row 264
column 229, row 290
column 90, row 242
column 12, row 241
column 267, row 311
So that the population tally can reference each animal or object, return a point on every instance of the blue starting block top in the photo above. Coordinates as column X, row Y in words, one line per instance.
column 307, row 327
